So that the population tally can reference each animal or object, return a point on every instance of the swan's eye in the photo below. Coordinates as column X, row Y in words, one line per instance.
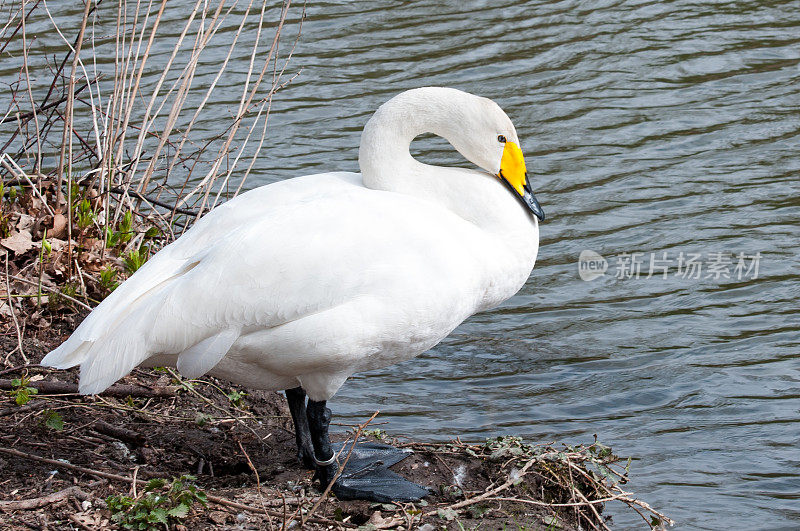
column 501, row 138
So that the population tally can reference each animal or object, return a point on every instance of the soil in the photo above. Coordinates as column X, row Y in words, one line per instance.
column 244, row 454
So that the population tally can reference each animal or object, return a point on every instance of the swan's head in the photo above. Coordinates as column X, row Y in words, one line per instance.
column 477, row 127
column 484, row 134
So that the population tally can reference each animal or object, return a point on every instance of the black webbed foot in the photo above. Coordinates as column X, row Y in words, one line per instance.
column 367, row 475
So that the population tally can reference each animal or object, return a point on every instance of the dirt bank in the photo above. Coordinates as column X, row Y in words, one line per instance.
column 239, row 446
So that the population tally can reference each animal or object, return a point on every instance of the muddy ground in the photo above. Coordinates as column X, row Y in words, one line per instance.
column 241, row 450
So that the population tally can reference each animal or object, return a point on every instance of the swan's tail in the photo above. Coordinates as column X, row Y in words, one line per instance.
column 103, row 360
column 128, row 327
column 113, row 339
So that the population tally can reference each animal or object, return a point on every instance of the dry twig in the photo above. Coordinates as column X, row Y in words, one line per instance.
column 35, row 503
column 119, row 390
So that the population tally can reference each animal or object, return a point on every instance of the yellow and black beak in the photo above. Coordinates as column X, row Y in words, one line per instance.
column 514, row 174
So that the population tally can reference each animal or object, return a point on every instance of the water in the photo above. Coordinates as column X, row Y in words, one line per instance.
column 649, row 127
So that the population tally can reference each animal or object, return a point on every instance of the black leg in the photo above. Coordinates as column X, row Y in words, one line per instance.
column 319, row 418
column 297, row 405
column 367, row 475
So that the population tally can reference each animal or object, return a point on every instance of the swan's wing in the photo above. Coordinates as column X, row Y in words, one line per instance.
column 293, row 260
column 181, row 256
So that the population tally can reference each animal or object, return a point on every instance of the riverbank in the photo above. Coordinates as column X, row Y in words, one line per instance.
column 66, row 456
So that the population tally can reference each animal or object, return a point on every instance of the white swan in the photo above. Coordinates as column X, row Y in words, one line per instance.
column 301, row 283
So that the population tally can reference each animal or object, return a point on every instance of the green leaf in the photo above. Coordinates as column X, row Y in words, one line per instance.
column 108, row 278
column 447, row 514
column 236, row 397
column 338, row 514
column 127, row 222
column 126, row 228
column 136, row 258
column 179, row 511
column 155, row 484
column 22, row 395
column 112, row 238
column 158, row 515
column 202, row 419
column 53, row 420
column 201, row 497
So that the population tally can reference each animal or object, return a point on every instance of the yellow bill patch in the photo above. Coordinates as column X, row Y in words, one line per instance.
column 512, row 167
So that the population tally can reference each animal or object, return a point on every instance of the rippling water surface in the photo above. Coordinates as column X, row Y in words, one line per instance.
column 650, row 127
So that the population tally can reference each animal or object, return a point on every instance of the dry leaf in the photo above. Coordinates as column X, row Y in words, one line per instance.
column 59, row 229
column 218, row 517
column 25, row 222
column 376, row 518
column 19, row 242
column 56, row 245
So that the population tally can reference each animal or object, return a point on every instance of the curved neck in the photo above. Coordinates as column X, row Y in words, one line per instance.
column 476, row 196
column 386, row 139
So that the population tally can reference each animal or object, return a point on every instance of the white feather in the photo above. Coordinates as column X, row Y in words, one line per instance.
column 198, row 359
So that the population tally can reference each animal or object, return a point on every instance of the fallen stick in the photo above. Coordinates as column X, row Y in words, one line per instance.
column 128, row 481
column 123, row 434
column 118, row 390
column 16, row 410
column 18, row 368
column 35, row 503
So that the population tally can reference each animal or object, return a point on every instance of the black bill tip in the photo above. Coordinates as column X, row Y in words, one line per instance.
column 532, row 203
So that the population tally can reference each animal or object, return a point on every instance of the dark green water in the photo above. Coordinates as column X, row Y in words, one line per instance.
column 650, row 127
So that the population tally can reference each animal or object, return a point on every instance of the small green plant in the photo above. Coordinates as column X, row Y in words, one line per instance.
column 5, row 212
column 108, row 278
column 84, row 214
column 12, row 193
column 70, row 289
column 126, row 227
column 22, row 392
column 506, row 446
column 201, row 419
column 162, row 503
column 123, row 234
column 52, row 419
column 135, row 258
column 112, row 237
column 236, row 397
column 377, row 433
